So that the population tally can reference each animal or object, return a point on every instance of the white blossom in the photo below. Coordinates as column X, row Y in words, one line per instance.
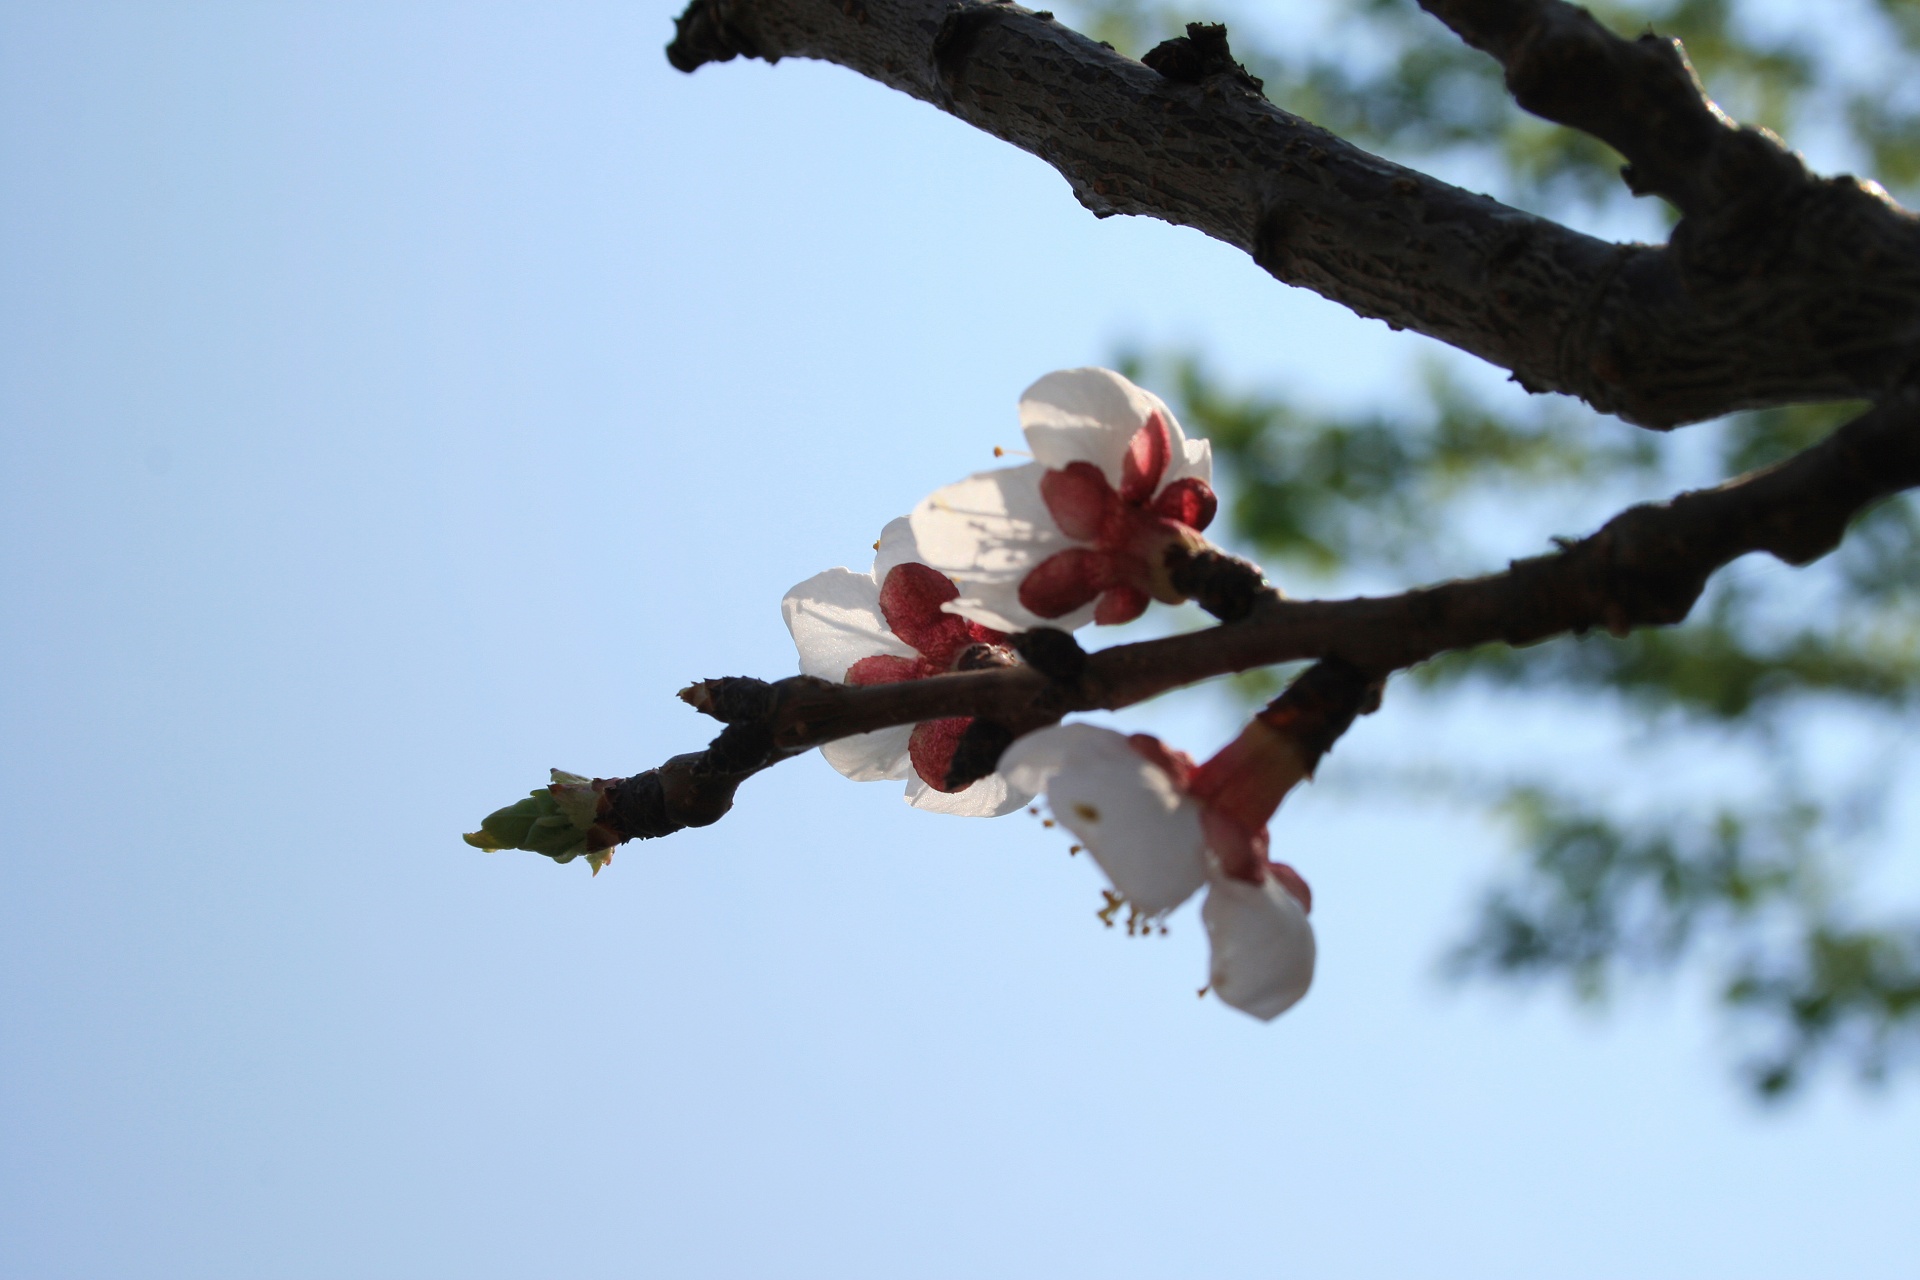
column 1080, row 533
column 885, row 626
column 1128, row 800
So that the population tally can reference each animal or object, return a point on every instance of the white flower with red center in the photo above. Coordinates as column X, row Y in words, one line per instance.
column 1160, row 828
column 884, row 627
column 1082, row 532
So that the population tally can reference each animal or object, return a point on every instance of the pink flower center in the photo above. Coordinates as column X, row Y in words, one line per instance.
column 910, row 600
column 1129, row 531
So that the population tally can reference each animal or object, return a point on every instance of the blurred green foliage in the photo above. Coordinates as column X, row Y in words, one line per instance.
column 1750, row 875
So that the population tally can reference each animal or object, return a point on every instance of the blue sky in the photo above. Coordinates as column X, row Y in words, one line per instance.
column 402, row 400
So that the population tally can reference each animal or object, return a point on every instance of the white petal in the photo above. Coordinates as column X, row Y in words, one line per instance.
column 896, row 547
column 993, row 523
column 1262, row 946
column 1088, row 415
column 835, row 620
column 1192, row 458
column 1142, row 831
column 987, row 533
column 990, row 797
column 872, row 757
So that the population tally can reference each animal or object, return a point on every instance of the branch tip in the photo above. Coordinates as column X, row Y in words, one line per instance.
column 732, row 699
column 1052, row 652
column 702, row 34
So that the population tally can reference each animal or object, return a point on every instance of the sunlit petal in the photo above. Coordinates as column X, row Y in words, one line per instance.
column 835, row 620
column 1088, row 415
column 987, row 533
column 896, row 547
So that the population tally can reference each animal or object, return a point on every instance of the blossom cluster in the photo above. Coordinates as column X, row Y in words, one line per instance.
column 1086, row 532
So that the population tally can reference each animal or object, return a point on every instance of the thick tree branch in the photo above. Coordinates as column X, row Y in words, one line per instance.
column 1782, row 288
column 1644, row 567
column 1640, row 97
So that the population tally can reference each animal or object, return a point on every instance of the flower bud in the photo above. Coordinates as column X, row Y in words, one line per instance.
column 559, row 821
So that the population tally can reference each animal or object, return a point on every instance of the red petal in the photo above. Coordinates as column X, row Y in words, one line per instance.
column 1189, row 500
column 884, row 668
column 1079, row 498
column 1121, row 604
column 1146, row 460
column 931, row 748
column 911, row 598
column 1063, row 582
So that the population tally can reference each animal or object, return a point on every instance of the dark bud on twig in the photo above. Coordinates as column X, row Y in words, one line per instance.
column 731, row 699
column 1225, row 586
column 1202, row 52
column 1052, row 652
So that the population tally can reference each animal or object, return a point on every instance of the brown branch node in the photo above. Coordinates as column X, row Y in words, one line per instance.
column 1198, row 56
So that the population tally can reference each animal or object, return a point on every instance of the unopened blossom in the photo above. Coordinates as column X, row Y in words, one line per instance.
column 884, row 627
column 1082, row 532
column 561, row 820
column 1160, row 828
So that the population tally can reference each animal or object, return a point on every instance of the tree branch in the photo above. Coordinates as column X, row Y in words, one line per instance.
column 1641, row 97
column 1783, row 288
column 1644, row 567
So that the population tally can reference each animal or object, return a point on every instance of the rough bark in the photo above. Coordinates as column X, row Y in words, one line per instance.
column 1777, row 287
column 1644, row 567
